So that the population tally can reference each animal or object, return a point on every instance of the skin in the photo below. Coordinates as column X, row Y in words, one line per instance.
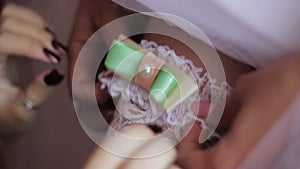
column 249, row 112
column 104, row 159
column 91, row 15
column 251, row 103
column 22, row 34
column 254, row 102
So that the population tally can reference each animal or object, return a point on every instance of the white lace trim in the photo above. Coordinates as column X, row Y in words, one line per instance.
column 136, row 107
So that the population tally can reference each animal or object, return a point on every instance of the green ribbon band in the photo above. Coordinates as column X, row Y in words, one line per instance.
column 163, row 84
column 170, row 86
column 123, row 59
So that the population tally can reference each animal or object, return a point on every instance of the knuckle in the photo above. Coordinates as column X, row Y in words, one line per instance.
column 46, row 37
column 35, row 17
column 31, row 47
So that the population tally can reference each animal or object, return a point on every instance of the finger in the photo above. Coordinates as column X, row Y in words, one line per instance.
column 39, row 89
column 14, row 10
column 210, row 158
column 19, row 26
column 104, row 159
column 190, row 141
column 160, row 160
column 13, row 44
column 22, row 107
column 37, row 92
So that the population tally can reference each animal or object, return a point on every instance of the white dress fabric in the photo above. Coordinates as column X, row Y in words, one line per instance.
column 252, row 31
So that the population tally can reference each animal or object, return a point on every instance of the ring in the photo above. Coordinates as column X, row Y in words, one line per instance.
column 29, row 105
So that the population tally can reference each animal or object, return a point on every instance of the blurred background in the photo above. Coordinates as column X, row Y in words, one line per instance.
column 56, row 140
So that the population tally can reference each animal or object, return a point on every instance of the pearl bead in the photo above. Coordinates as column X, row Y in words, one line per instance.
column 148, row 70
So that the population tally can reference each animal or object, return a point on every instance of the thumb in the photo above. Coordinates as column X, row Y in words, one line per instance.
column 24, row 107
column 39, row 89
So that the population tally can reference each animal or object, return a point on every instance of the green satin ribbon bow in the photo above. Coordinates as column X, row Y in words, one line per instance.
column 124, row 60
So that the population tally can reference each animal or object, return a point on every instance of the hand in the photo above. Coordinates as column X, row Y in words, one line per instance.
column 104, row 159
column 258, row 101
column 25, row 33
column 18, row 108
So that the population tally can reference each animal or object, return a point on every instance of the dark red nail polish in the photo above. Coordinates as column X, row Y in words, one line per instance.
column 155, row 128
column 53, row 78
column 54, row 58
column 59, row 46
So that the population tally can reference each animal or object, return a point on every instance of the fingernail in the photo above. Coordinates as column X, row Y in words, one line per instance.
column 59, row 46
column 53, row 78
column 50, row 31
column 206, row 145
column 54, row 58
column 155, row 128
